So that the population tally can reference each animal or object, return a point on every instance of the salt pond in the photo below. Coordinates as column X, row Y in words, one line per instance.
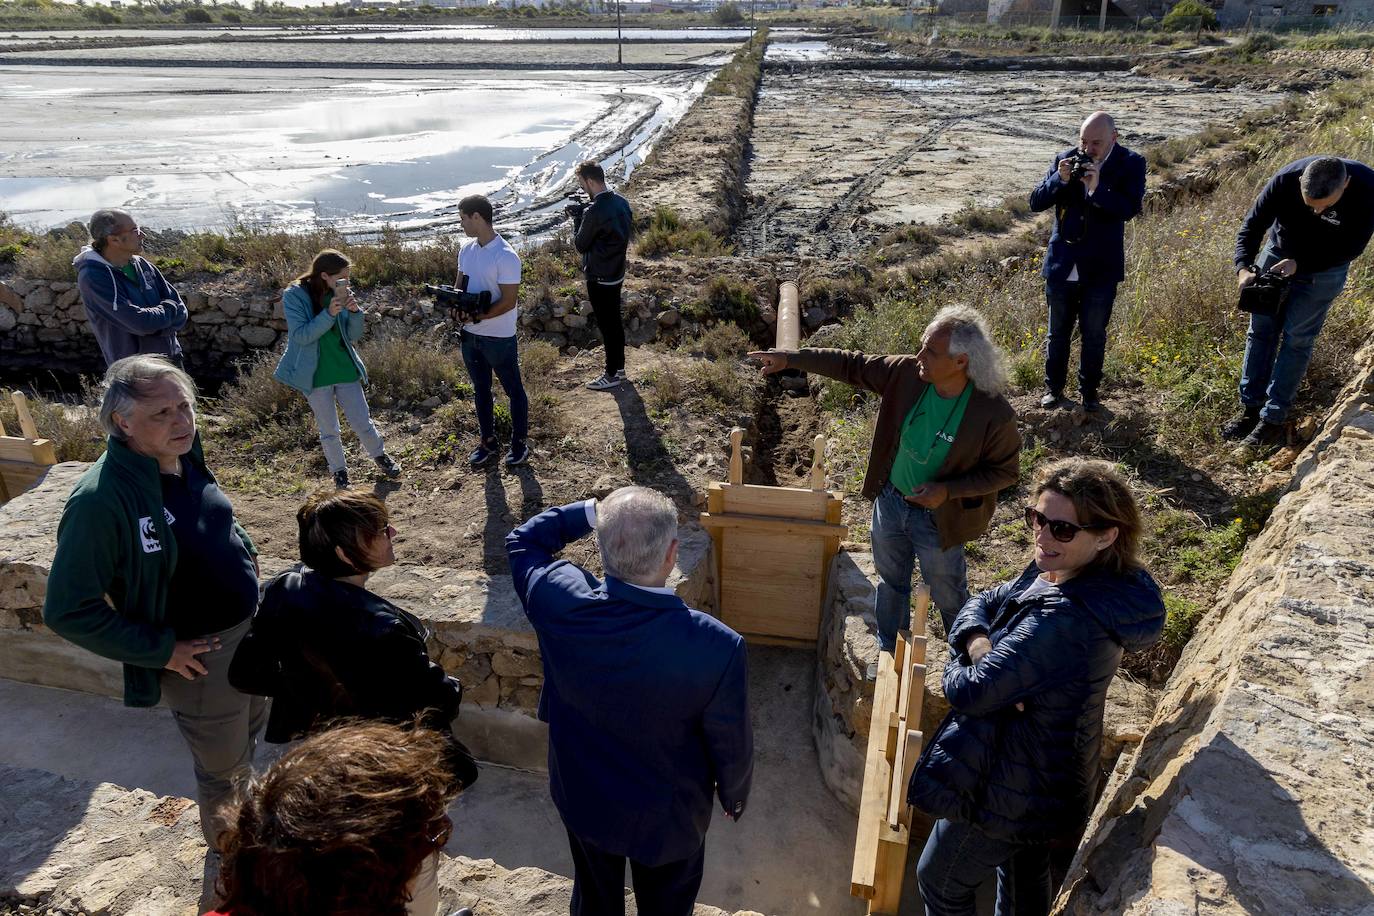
column 198, row 147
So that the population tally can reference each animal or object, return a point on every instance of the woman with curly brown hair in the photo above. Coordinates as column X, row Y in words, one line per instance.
column 347, row 823
column 1013, row 770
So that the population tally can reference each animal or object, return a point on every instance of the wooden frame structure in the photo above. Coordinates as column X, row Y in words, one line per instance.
column 894, row 745
column 773, row 547
column 24, row 458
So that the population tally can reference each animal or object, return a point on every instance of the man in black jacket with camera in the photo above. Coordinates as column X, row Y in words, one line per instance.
column 601, row 232
column 1094, row 189
column 1312, row 219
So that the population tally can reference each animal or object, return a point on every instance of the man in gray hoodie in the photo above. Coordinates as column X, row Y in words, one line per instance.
column 131, row 306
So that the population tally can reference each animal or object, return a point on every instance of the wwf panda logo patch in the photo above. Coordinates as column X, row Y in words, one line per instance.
column 147, row 533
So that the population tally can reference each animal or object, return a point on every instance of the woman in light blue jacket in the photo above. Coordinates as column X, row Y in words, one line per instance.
column 323, row 319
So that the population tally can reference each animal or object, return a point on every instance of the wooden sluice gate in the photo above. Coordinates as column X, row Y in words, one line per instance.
column 25, row 458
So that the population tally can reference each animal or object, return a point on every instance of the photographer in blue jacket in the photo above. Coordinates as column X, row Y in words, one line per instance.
column 130, row 305
column 323, row 320
column 646, row 700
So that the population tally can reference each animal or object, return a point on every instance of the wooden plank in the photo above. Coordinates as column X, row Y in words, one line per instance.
column 43, row 452
column 899, row 656
column 2, row 428
column 715, row 502
column 15, row 449
column 736, row 456
column 877, row 782
column 785, row 502
column 818, row 463
column 909, row 760
column 921, row 611
column 765, row 524
column 772, row 584
column 918, row 649
column 21, row 407
column 892, row 846
column 767, row 639
column 909, row 684
column 897, row 793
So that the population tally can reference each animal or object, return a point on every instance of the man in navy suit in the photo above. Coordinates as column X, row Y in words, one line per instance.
column 646, row 701
column 1086, row 259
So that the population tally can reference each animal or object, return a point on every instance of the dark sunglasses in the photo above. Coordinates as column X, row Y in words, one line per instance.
column 1059, row 530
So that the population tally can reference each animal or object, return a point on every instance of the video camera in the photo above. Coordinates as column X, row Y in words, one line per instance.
column 576, row 207
column 1078, row 163
column 463, row 306
column 1266, row 294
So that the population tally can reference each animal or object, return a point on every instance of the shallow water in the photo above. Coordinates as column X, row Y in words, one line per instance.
column 394, row 33
column 201, row 148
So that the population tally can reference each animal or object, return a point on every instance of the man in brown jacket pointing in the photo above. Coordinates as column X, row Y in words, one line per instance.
column 945, row 443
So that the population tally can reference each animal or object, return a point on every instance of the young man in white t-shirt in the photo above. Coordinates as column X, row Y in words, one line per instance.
column 488, row 264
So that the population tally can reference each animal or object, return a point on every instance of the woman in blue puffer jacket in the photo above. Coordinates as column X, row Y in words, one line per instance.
column 323, row 319
column 1015, row 765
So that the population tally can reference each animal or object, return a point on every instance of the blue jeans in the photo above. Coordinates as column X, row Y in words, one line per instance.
column 484, row 355
column 1090, row 306
column 351, row 398
column 902, row 534
column 1273, row 383
column 959, row 857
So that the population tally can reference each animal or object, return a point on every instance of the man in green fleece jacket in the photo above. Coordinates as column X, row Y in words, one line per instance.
column 152, row 570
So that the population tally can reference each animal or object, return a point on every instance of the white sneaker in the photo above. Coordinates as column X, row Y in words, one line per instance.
column 604, row 383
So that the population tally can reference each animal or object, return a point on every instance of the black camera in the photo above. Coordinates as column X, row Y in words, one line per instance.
column 576, row 207
column 1266, row 294
column 462, row 305
column 1078, row 163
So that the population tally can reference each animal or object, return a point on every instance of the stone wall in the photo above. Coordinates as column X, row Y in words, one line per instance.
column 43, row 323
column 480, row 633
column 1250, row 792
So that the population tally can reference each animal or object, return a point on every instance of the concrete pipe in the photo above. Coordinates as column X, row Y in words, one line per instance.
column 789, row 317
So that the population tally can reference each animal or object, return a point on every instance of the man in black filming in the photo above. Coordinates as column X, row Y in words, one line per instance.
column 1312, row 219
column 601, row 232
column 1094, row 190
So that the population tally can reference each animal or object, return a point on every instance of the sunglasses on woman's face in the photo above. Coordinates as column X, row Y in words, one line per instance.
column 1059, row 530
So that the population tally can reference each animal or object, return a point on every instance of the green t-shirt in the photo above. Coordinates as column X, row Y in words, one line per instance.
column 336, row 366
column 927, row 434
column 130, row 271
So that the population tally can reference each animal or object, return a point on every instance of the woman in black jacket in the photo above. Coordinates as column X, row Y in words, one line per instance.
column 325, row 648
column 1015, row 765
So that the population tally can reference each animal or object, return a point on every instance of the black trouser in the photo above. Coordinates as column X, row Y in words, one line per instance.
column 660, row 890
column 605, row 298
column 1090, row 306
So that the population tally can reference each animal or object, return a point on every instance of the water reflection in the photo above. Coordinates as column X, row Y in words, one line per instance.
column 313, row 148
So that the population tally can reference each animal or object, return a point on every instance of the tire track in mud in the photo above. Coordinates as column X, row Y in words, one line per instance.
column 830, row 232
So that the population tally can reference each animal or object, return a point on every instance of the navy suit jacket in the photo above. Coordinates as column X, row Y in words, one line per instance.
column 646, row 700
column 1091, row 231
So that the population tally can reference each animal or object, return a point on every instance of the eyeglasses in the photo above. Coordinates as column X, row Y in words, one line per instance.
column 440, row 839
column 1060, row 530
column 389, row 531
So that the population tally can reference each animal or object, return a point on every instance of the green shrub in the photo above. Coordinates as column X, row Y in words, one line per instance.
column 727, row 14
column 406, row 366
column 668, row 233
column 721, row 341
column 726, row 299
column 196, row 14
column 1188, row 15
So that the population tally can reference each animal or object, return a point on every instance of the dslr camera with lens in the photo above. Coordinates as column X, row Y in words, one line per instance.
column 1078, row 163
column 463, row 306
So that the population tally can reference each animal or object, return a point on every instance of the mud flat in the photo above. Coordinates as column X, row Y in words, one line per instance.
column 878, row 150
